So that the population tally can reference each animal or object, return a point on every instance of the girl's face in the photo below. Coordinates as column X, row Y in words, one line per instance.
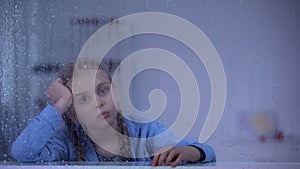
column 94, row 105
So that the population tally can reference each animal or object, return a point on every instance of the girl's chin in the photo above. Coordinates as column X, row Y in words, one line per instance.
column 102, row 123
column 108, row 122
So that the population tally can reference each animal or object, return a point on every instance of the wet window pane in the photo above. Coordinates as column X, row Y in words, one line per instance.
column 257, row 44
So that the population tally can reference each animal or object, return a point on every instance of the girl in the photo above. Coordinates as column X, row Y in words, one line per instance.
column 59, row 133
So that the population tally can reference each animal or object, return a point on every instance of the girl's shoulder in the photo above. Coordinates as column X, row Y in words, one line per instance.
column 138, row 129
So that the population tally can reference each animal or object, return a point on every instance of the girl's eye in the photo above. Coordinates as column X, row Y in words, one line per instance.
column 102, row 91
column 83, row 99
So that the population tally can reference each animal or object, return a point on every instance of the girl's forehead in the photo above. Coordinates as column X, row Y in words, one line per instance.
column 84, row 78
column 99, row 76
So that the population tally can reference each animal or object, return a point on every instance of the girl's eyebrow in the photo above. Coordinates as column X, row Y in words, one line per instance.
column 78, row 94
column 103, row 83
column 81, row 93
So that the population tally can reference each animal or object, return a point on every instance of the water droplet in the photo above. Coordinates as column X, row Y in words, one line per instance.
column 293, row 12
column 124, row 4
column 148, row 4
column 168, row 4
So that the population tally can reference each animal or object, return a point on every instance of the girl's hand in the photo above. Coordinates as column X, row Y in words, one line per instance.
column 60, row 96
column 175, row 155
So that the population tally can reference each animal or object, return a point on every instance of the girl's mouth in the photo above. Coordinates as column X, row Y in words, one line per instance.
column 105, row 115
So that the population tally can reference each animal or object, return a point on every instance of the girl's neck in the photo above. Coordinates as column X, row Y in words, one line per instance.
column 107, row 140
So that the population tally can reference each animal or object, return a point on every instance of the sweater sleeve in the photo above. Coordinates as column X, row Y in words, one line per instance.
column 206, row 150
column 44, row 139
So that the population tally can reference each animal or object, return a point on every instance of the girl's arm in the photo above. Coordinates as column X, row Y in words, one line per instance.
column 188, row 152
column 44, row 139
column 167, row 146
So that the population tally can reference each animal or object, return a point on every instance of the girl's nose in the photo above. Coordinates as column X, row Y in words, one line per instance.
column 100, row 102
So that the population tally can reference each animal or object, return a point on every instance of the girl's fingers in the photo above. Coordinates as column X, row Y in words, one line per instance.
column 156, row 157
column 154, row 160
column 162, row 158
column 166, row 155
column 57, row 91
column 177, row 161
column 170, row 157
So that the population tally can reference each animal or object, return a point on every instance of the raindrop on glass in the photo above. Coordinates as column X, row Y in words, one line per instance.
column 293, row 12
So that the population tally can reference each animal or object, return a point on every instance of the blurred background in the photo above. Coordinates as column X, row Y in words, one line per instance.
column 257, row 41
